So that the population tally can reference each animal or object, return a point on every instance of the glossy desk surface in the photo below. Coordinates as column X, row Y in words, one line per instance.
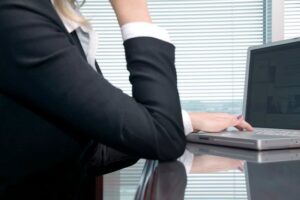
column 213, row 173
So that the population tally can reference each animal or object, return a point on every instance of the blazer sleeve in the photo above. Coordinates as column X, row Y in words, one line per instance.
column 43, row 69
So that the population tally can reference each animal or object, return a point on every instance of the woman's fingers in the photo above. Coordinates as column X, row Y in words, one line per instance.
column 243, row 125
column 217, row 122
column 240, row 123
column 233, row 121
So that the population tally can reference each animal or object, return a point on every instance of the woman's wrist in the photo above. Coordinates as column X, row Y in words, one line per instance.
column 128, row 11
column 193, row 117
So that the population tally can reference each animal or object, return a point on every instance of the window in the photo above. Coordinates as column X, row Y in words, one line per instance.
column 211, row 37
column 291, row 19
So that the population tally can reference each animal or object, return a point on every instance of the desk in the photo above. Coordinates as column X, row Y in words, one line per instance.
column 215, row 173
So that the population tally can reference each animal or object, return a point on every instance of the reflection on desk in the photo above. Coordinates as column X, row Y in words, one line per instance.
column 167, row 182
column 219, row 177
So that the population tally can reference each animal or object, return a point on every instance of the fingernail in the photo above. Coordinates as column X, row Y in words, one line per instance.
column 239, row 117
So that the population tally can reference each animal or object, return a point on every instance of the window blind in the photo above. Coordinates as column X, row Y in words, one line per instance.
column 291, row 19
column 211, row 39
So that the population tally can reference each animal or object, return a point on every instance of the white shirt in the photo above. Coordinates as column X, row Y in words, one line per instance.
column 89, row 42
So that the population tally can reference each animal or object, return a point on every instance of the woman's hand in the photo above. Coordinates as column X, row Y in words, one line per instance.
column 217, row 122
column 131, row 11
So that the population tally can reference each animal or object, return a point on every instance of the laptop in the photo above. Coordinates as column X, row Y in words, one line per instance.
column 271, row 100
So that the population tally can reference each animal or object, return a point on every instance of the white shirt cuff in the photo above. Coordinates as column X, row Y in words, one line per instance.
column 144, row 29
column 187, row 123
column 187, row 160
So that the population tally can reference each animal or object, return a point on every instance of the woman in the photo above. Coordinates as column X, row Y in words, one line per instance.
column 62, row 122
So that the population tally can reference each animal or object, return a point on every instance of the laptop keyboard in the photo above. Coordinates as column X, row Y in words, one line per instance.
column 277, row 132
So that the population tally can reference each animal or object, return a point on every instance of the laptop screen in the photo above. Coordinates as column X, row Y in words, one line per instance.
column 273, row 95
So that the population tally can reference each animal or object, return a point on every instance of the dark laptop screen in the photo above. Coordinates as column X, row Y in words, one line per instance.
column 273, row 98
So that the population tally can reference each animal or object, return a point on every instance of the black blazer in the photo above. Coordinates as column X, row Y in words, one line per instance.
column 55, row 110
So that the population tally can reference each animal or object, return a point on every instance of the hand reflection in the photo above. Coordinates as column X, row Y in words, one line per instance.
column 209, row 163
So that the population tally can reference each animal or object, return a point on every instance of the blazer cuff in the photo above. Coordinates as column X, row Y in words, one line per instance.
column 144, row 29
column 187, row 123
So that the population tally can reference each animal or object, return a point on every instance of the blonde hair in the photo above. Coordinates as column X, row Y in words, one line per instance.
column 70, row 13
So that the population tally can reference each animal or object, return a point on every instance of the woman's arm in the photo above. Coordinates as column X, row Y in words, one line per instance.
column 131, row 11
column 43, row 69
